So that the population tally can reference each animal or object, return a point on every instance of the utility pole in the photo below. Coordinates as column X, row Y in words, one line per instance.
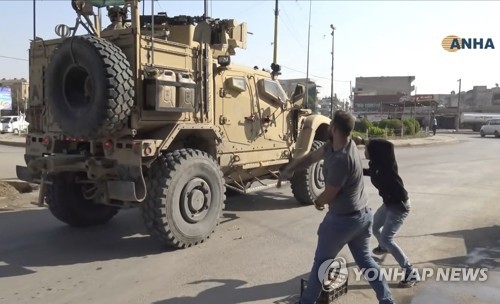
column 308, row 44
column 331, row 89
column 457, row 121
column 34, row 20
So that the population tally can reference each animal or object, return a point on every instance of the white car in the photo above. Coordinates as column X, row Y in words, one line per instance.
column 13, row 124
column 492, row 127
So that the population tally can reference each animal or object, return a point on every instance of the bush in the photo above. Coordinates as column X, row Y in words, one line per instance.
column 412, row 126
column 362, row 125
column 390, row 124
column 376, row 131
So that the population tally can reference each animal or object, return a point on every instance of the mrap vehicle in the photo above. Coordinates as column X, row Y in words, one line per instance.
column 150, row 112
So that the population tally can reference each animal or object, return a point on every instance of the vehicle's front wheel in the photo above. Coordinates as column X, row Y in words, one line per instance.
column 308, row 184
column 496, row 134
column 482, row 133
column 67, row 203
column 186, row 195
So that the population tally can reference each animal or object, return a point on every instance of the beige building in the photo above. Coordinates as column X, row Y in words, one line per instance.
column 19, row 92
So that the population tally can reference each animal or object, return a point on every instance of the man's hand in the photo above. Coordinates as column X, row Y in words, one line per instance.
column 358, row 140
column 285, row 174
column 319, row 206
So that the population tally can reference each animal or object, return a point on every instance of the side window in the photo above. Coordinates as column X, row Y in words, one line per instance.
column 271, row 90
column 14, row 119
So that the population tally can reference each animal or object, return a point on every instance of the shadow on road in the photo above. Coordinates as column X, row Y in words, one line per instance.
column 33, row 238
column 261, row 201
column 234, row 291
column 482, row 245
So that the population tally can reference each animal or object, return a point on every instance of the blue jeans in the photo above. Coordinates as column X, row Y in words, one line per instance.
column 334, row 232
column 386, row 224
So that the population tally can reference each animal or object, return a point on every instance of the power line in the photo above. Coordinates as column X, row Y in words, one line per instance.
column 14, row 58
column 315, row 76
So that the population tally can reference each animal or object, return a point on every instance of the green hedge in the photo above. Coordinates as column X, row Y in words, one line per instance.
column 412, row 126
column 376, row 131
column 390, row 124
column 363, row 125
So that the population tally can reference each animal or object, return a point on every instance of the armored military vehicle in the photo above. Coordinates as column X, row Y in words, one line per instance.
column 150, row 112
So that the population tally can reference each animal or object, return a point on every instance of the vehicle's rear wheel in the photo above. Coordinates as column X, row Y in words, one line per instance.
column 186, row 195
column 67, row 203
column 496, row 134
column 482, row 133
column 308, row 184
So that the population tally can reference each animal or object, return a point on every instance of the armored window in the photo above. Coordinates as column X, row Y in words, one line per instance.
column 272, row 90
column 237, row 83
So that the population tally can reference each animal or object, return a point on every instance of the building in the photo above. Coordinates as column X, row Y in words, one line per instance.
column 324, row 106
column 19, row 93
column 377, row 98
column 381, row 94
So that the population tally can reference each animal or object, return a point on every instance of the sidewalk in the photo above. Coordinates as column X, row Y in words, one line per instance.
column 13, row 140
column 437, row 139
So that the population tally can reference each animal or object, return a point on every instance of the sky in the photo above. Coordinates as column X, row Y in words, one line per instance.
column 372, row 38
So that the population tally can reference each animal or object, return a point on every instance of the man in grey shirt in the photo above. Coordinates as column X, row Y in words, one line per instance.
column 348, row 220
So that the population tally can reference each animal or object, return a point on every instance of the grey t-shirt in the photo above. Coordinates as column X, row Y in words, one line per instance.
column 344, row 169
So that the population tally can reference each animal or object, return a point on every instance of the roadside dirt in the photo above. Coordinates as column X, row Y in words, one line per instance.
column 17, row 195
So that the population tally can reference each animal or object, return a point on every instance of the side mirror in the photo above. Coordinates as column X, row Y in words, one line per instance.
column 298, row 94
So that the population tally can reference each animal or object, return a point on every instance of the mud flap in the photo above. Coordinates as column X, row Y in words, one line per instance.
column 128, row 191
column 25, row 174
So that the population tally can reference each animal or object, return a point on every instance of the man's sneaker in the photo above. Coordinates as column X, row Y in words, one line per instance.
column 379, row 250
column 411, row 278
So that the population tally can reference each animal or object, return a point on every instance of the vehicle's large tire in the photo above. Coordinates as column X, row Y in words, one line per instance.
column 308, row 184
column 66, row 202
column 186, row 194
column 90, row 87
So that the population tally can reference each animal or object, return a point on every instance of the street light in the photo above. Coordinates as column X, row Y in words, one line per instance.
column 331, row 89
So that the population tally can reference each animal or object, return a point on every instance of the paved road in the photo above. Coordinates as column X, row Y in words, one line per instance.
column 264, row 245
column 9, row 158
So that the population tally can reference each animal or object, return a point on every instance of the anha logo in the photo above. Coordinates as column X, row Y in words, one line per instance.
column 454, row 43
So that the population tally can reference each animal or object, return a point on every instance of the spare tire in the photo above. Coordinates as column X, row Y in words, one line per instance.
column 90, row 87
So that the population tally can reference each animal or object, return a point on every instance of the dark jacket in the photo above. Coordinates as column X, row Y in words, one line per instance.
column 383, row 172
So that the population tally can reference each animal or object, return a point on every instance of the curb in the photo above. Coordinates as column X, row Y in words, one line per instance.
column 451, row 140
column 12, row 143
column 441, row 142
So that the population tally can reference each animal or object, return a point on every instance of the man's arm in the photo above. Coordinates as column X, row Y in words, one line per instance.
column 302, row 163
column 329, row 195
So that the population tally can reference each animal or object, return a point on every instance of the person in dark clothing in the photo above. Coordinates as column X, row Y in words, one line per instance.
column 383, row 172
